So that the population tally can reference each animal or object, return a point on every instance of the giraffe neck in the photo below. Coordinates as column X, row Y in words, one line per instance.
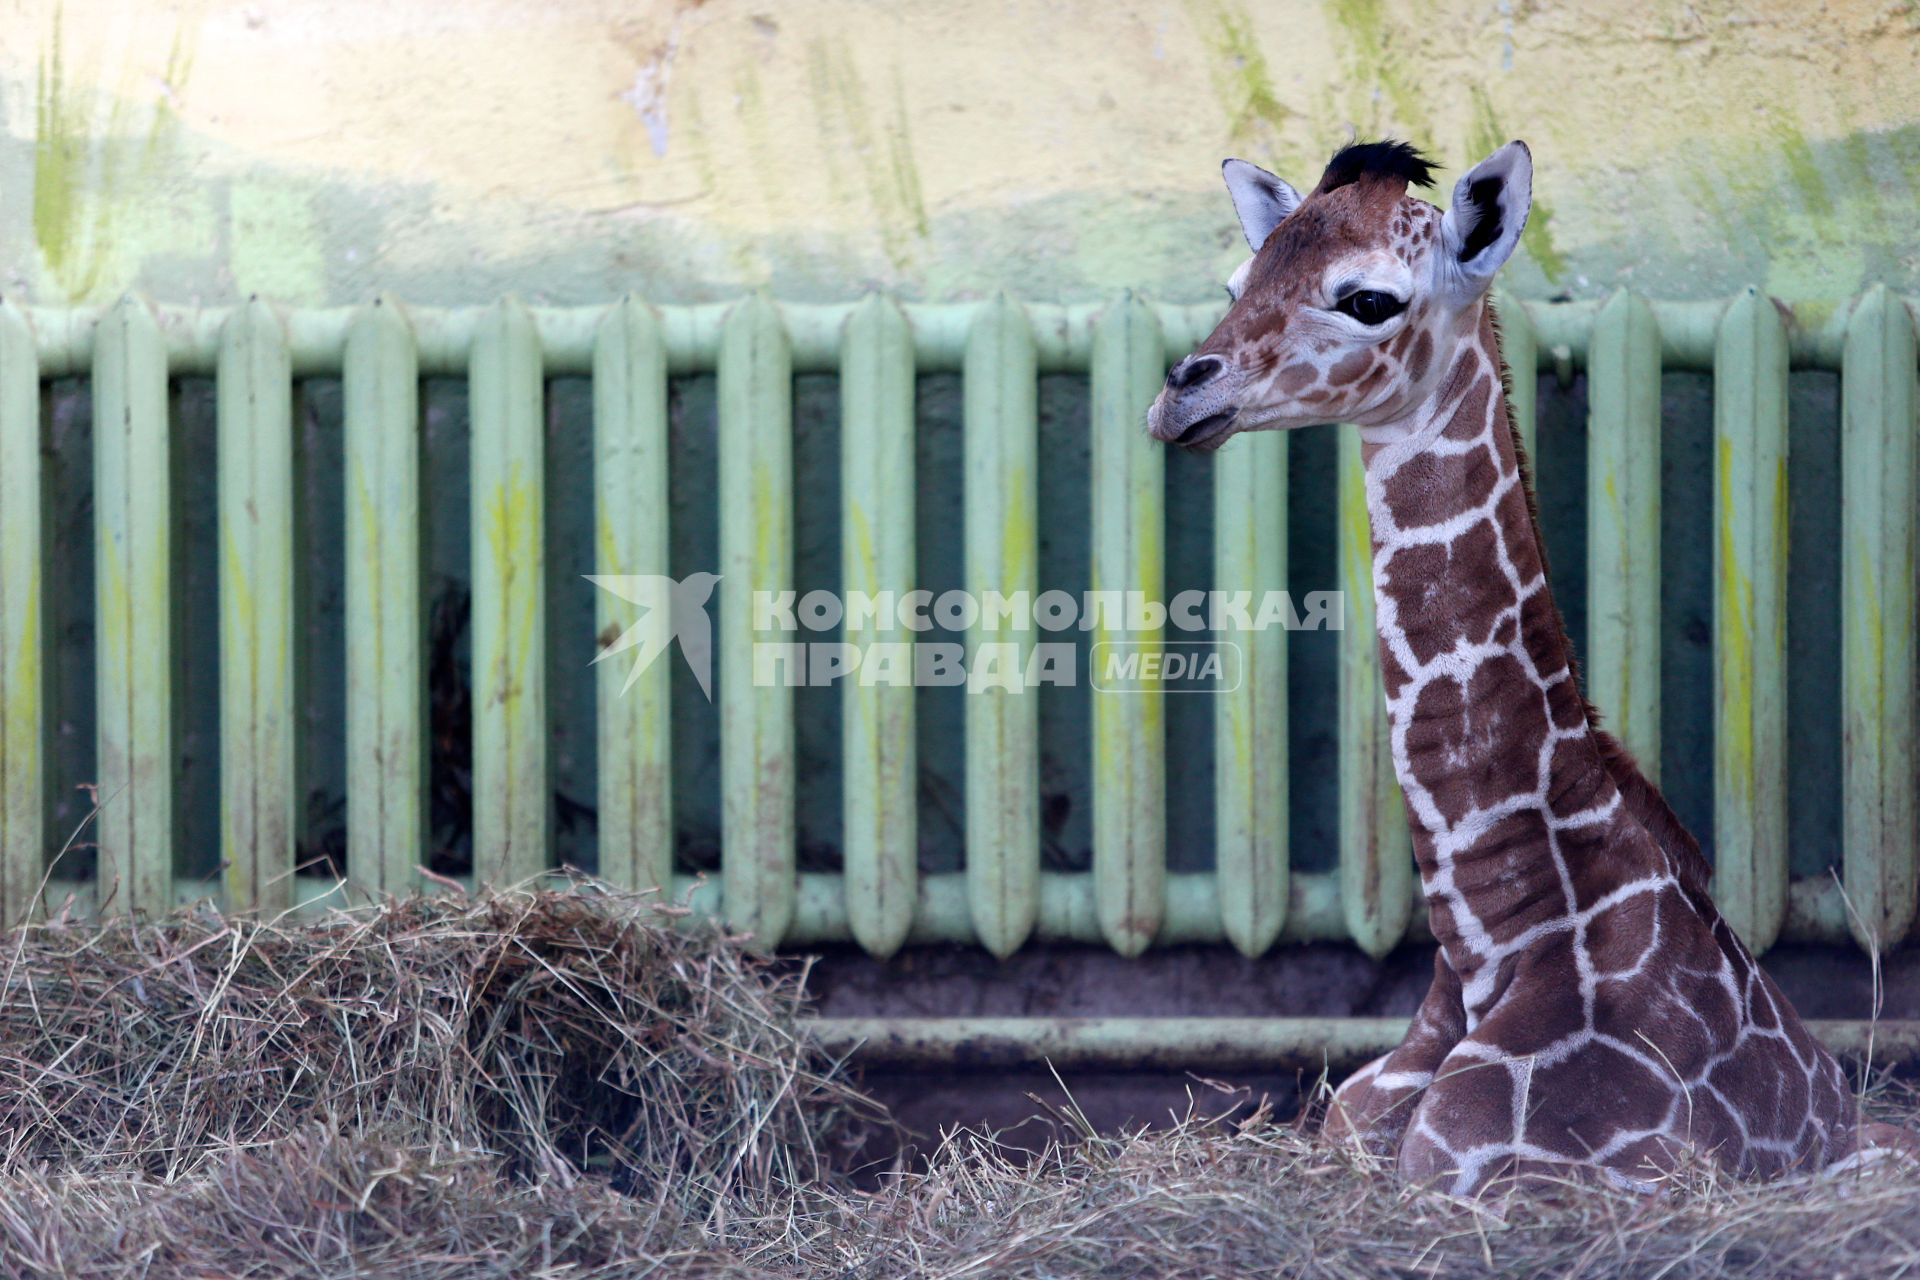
column 1489, row 732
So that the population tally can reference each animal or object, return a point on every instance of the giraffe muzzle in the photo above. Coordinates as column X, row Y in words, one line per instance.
column 1208, row 432
column 1174, row 423
column 1196, row 408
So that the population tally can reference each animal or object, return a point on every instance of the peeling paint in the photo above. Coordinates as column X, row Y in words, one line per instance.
column 648, row 95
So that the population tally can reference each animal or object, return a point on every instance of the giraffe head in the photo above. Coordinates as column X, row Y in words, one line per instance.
column 1353, row 299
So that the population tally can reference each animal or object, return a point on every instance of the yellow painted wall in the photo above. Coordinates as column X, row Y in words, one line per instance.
column 318, row 152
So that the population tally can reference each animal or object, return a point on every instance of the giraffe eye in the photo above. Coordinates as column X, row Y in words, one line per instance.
column 1371, row 306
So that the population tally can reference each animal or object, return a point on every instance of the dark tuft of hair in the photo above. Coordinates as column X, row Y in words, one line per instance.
column 1386, row 159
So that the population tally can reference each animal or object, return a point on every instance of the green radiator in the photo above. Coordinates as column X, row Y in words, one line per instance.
column 881, row 900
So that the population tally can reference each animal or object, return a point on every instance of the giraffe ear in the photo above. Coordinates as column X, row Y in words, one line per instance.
column 1483, row 225
column 1262, row 200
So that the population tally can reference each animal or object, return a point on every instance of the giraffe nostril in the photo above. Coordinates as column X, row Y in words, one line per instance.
column 1193, row 371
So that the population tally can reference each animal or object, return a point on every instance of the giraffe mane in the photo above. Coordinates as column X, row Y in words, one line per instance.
column 1388, row 158
column 1642, row 798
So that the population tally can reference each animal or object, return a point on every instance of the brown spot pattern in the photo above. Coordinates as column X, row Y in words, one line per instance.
column 1686, row 1042
column 1350, row 367
column 1422, row 356
column 1460, row 481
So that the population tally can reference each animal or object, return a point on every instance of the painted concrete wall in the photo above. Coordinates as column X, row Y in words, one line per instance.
column 316, row 152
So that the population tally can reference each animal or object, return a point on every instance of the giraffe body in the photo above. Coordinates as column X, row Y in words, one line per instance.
column 1600, row 1010
column 1589, row 1004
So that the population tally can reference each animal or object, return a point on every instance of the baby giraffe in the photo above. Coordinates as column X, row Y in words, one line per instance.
column 1589, row 1005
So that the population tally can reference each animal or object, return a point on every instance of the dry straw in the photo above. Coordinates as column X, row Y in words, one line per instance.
column 560, row 1032
column 563, row 1086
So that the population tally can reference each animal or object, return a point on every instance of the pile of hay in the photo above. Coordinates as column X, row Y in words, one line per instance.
column 415, row 1063
column 562, row 1086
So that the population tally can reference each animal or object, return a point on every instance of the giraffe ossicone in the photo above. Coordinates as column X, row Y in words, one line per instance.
column 1589, row 1005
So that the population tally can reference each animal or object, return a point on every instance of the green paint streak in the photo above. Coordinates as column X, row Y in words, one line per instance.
column 61, row 156
column 1803, row 171
column 1018, row 535
column 884, row 164
column 906, row 178
column 1537, row 240
column 1377, row 69
column 1857, row 154
column 1357, row 557
column 84, row 169
column 1735, row 603
column 512, row 534
column 1704, row 191
column 1241, row 78
column 1484, row 137
column 1722, row 215
column 868, row 576
column 702, row 153
column 165, row 120
column 20, row 705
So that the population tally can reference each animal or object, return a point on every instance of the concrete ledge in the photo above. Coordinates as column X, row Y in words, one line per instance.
column 1207, row 1044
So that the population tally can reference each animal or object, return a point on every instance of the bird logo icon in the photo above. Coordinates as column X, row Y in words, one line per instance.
column 668, row 609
